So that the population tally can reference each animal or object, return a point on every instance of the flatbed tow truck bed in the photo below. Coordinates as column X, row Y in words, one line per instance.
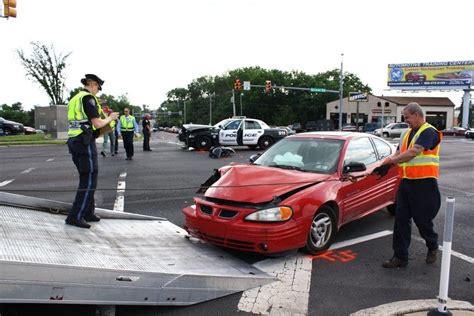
column 125, row 259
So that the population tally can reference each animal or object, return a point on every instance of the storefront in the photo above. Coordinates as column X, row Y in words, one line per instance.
column 438, row 111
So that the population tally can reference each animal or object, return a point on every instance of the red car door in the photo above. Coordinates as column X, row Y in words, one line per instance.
column 362, row 196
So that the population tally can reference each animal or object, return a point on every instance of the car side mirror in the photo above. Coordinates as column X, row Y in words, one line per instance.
column 353, row 167
column 254, row 157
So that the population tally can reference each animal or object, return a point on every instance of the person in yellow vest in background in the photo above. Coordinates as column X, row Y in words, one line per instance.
column 84, row 118
column 127, row 127
column 109, row 134
column 418, row 196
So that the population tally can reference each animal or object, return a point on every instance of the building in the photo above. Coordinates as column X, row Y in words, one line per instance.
column 438, row 111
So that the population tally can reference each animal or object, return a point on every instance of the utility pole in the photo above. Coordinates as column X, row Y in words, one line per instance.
column 233, row 102
column 341, row 86
column 241, row 94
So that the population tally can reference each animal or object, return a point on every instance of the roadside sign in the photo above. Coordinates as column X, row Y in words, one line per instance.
column 169, row 113
column 358, row 97
column 247, row 85
column 317, row 90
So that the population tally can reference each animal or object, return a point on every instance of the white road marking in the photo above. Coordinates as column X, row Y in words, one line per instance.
column 120, row 199
column 27, row 171
column 453, row 253
column 4, row 183
column 456, row 190
column 290, row 294
column 50, row 159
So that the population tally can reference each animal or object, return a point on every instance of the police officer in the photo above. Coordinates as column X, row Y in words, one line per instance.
column 127, row 127
column 418, row 196
column 146, row 129
column 84, row 117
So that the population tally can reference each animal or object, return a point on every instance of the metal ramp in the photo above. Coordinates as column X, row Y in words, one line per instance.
column 125, row 259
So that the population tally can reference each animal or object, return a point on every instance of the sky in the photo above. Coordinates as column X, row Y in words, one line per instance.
column 143, row 49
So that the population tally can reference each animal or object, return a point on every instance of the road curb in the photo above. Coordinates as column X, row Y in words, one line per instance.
column 413, row 306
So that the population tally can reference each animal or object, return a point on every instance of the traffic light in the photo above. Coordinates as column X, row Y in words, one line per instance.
column 268, row 86
column 9, row 10
column 237, row 85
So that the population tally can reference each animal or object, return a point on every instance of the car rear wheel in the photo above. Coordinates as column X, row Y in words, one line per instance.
column 204, row 143
column 385, row 135
column 265, row 142
column 8, row 131
column 322, row 231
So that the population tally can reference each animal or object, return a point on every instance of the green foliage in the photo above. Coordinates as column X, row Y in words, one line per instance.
column 16, row 113
column 280, row 107
column 46, row 68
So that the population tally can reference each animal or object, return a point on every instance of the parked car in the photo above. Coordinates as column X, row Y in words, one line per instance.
column 288, row 129
column 297, row 194
column 29, row 130
column 392, row 130
column 454, row 131
column 469, row 133
column 296, row 127
column 349, row 128
column 415, row 76
column 10, row 127
column 310, row 126
column 370, row 127
column 237, row 131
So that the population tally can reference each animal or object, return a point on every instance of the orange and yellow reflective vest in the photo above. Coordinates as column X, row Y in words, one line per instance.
column 426, row 163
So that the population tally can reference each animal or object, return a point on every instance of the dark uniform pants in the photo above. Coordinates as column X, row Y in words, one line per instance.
column 418, row 199
column 85, row 158
column 128, row 142
column 146, row 139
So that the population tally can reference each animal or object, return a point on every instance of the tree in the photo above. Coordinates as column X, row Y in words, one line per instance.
column 16, row 113
column 46, row 67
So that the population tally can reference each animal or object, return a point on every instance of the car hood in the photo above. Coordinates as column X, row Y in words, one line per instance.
column 258, row 184
column 11, row 122
column 192, row 127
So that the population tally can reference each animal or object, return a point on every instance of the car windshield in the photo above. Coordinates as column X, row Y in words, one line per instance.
column 319, row 155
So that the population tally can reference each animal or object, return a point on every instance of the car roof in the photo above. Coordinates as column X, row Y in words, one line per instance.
column 330, row 134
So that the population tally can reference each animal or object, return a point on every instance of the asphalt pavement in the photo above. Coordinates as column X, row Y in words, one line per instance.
column 163, row 181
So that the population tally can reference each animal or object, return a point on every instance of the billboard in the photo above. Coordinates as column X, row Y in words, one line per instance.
column 431, row 75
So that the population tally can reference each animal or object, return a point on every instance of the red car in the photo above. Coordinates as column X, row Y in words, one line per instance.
column 295, row 195
column 454, row 131
column 415, row 76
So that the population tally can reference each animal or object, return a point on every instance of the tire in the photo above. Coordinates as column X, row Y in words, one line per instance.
column 391, row 209
column 7, row 131
column 322, row 231
column 204, row 143
column 385, row 135
column 264, row 142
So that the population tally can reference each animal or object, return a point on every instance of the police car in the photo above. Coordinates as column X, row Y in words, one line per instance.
column 236, row 131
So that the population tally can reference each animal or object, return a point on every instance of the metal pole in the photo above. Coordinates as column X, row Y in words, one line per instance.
column 340, row 95
column 233, row 102
column 357, row 116
column 184, row 110
column 382, row 105
column 210, row 109
column 446, row 259
column 241, row 94
column 465, row 108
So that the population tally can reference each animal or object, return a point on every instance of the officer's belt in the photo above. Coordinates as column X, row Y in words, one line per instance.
column 78, row 124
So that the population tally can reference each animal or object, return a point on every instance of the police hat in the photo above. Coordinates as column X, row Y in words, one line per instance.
column 92, row 77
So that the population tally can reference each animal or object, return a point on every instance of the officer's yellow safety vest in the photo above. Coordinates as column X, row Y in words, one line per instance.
column 76, row 115
column 127, row 124
column 425, row 164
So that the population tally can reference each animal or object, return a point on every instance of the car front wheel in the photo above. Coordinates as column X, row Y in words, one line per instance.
column 204, row 143
column 265, row 142
column 322, row 231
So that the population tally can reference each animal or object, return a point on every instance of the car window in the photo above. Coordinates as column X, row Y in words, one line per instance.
column 360, row 150
column 383, row 148
column 233, row 124
column 252, row 125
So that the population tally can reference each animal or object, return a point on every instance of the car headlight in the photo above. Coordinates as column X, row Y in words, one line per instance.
column 274, row 214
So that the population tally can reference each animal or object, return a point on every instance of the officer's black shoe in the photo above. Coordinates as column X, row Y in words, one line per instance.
column 92, row 218
column 79, row 223
column 395, row 263
column 103, row 153
column 431, row 256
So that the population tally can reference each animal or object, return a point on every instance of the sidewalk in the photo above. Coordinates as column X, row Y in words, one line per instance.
column 418, row 307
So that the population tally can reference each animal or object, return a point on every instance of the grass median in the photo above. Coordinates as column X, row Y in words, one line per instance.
column 34, row 139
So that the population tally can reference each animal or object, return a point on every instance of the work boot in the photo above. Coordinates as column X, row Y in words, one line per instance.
column 395, row 263
column 78, row 223
column 431, row 256
column 92, row 218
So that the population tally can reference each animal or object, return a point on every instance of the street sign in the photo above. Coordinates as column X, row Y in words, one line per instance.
column 246, row 85
column 169, row 113
column 317, row 90
column 358, row 97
